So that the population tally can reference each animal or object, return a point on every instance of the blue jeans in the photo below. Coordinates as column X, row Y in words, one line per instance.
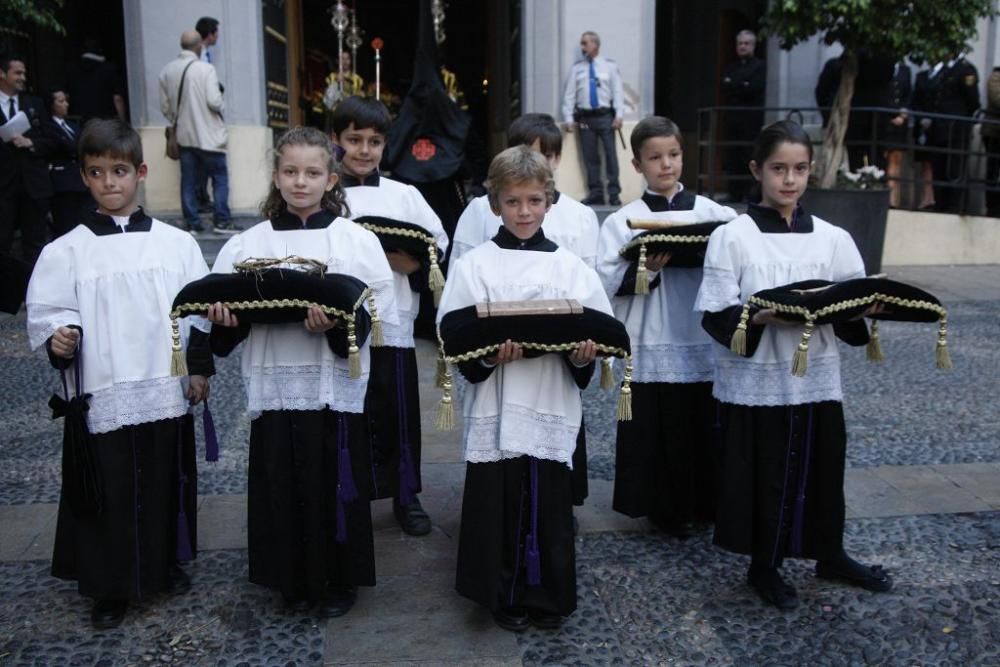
column 214, row 166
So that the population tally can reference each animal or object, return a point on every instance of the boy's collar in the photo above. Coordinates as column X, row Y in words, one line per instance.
column 683, row 200
column 506, row 240
column 287, row 221
column 350, row 180
column 103, row 225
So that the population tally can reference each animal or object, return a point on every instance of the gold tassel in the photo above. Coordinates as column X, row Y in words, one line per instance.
column 353, row 353
column 874, row 349
column 378, row 338
column 800, row 360
column 739, row 342
column 941, row 354
column 607, row 374
column 436, row 279
column 178, row 365
column 624, row 412
column 641, row 274
column 446, row 408
column 440, row 377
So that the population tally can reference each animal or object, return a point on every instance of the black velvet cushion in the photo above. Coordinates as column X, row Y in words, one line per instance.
column 394, row 235
column 272, row 296
column 687, row 243
column 844, row 301
column 463, row 333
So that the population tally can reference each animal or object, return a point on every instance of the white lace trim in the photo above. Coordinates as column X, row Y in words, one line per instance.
column 399, row 335
column 666, row 362
column 719, row 290
column 520, row 431
column 139, row 402
column 748, row 382
column 310, row 387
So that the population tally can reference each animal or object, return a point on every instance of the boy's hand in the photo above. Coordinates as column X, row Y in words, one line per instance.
column 197, row 389
column 402, row 262
column 317, row 322
column 656, row 262
column 219, row 314
column 584, row 353
column 509, row 351
column 64, row 342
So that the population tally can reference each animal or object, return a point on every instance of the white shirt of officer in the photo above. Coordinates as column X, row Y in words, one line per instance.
column 610, row 92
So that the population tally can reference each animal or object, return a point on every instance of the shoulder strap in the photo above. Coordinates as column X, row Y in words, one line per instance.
column 180, row 91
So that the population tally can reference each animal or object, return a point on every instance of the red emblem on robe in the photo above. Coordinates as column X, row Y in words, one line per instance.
column 423, row 149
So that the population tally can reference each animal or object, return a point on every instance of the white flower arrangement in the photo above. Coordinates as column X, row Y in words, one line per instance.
column 868, row 177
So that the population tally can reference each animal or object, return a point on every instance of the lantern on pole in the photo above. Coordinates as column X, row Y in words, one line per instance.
column 340, row 22
column 437, row 13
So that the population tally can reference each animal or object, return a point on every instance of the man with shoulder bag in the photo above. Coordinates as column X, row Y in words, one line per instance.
column 191, row 100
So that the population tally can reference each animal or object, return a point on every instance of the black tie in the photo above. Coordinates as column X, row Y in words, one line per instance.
column 68, row 130
column 11, row 111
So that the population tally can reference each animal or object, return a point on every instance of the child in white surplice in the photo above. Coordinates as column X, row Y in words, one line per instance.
column 516, row 552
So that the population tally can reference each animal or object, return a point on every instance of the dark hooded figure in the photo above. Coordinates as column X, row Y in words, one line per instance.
column 426, row 144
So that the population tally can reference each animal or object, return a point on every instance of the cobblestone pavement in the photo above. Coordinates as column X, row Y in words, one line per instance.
column 644, row 598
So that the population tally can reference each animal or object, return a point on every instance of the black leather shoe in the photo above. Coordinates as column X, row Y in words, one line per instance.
column 412, row 518
column 108, row 614
column 544, row 620
column 337, row 602
column 615, row 201
column 593, row 200
column 772, row 588
column 848, row 570
column 511, row 618
column 180, row 582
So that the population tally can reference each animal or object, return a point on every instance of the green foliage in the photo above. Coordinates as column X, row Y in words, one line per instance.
column 923, row 30
column 33, row 13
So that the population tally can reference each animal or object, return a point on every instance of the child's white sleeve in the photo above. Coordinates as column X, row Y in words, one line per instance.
column 720, row 283
column 611, row 266
column 51, row 300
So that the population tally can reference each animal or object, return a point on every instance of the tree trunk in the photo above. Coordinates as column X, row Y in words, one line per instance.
column 836, row 129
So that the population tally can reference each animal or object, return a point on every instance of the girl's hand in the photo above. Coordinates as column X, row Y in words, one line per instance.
column 219, row 314
column 509, row 351
column 770, row 316
column 317, row 322
column 64, row 342
column 584, row 353
column 656, row 262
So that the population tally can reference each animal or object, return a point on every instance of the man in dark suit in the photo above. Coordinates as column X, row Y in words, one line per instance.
column 25, row 188
column 71, row 200
column 958, row 95
column 743, row 85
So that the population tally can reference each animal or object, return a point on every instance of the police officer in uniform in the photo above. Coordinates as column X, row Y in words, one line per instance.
column 594, row 102
column 743, row 83
column 957, row 94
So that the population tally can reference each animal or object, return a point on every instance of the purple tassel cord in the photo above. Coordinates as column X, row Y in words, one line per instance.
column 184, row 551
column 346, row 490
column 798, row 518
column 407, row 473
column 211, row 439
column 532, row 555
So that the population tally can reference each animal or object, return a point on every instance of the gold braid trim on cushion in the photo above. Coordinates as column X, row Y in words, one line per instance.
column 662, row 238
column 396, row 231
column 446, row 409
column 179, row 368
column 799, row 359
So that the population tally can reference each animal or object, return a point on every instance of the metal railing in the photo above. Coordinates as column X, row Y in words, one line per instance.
column 965, row 166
